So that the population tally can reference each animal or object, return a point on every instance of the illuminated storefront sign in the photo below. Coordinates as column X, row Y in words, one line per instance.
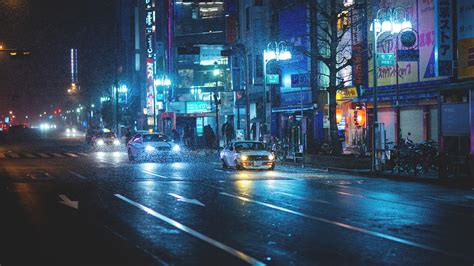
column 347, row 93
column 197, row 107
column 150, row 55
column 465, row 29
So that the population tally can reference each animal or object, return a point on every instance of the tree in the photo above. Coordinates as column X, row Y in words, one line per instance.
column 331, row 50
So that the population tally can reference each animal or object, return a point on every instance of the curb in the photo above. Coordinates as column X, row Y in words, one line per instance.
column 463, row 183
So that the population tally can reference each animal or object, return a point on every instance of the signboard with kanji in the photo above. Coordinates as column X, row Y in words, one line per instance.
column 273, row 79
column 385, row 59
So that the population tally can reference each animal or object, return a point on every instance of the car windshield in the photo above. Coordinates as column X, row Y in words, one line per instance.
column 154, row 138
column 249, row 146
column 108, row 135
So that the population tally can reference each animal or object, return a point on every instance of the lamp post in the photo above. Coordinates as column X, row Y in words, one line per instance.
column 385, row 21
column 275, row 51
column 216, row 72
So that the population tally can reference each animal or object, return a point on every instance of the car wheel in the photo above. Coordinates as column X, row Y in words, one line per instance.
column 224, row 164
column 237, row 165
column 131, row 158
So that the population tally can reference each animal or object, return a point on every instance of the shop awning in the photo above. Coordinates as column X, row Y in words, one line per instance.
column 292, row 109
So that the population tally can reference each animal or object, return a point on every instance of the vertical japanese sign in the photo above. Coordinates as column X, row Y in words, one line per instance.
column 150, row 54
column 444, row 38
column 465, row 14
column 359, row 35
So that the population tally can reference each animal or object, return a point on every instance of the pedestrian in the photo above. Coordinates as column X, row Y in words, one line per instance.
column 209, row 136
column 176, row 136
column 229, row 132
column 128, row 136
column 187, row 135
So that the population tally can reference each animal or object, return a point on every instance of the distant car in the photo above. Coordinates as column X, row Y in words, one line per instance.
column 247, row 155
column 91, row 134
column 152, row 146
column 105, row 140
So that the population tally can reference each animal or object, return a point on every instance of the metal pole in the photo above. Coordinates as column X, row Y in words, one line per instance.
column 216, row 102
column 397, row 137
column 116, row 110
column 264, row 90
column 303, row 142
column 154, row 109
column 375, row 122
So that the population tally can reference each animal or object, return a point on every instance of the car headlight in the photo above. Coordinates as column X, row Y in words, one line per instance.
column 271, row 157
column 100, row 142
column 149, row 148
column 73, row 130
column 244, row 157
column 68, row 130
column 176, row 148
column 116, row 142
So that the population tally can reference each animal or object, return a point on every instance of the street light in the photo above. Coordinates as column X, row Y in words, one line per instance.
column 216, row 73
column 275, row 51
column 391, row 20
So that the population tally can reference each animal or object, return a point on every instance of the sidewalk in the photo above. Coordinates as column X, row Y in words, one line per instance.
column 361, row 167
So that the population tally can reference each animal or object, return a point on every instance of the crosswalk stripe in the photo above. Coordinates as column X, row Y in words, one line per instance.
column 58, row 155
column 14, row 155
column 29, row 155
column 71, row 154
column 44, row 155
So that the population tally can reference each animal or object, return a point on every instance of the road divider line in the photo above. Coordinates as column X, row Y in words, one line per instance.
column 58, row 155
column 43, row 155
column 29, row 155
column 14, row 155
column 348, row 226
column 2, row 156
column 192, row 232
column 78, row 175
column 153, row 174
column 70, row 154
column 301, row 198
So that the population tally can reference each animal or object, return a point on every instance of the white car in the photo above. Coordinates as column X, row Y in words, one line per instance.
column 247, row 155
column 152, row 146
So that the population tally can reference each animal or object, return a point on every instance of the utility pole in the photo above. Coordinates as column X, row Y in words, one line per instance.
column 216, row 73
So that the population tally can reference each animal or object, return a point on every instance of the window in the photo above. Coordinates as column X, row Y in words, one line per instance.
column 258, row 66
column 247, row 18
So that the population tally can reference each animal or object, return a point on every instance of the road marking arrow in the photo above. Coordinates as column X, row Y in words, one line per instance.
column 183, row 199
column 66, row 201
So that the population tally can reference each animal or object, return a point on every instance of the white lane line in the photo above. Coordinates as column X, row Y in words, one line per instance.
column 347, row 226
column 70, row 154
column 29, row 155
column 78, row 175
column 153, row 174
column 2, row 156
column 192, row 232
column 44, row 155
column 14, row 155
column 58, row 155
column 301, row 198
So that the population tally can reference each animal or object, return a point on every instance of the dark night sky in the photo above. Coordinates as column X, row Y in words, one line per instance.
column 49, row 28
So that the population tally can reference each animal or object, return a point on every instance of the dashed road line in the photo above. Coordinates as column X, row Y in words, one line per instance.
column 70, row 154
column 14, row 155
column 192, row 232
column 2, row 156
column 153, row 174
column 78, row 175
column 29, row 155
column 44, row 155
column 348, row 226
column 58, row 155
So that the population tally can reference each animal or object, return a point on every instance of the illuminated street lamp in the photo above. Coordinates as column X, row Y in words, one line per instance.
column 392, row 21
column 275, row 51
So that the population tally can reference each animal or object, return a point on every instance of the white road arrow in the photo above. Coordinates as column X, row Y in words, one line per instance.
column 183, row 199
column 66, row 201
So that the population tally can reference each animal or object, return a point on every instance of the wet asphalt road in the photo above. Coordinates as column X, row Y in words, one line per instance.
column 193, row 212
